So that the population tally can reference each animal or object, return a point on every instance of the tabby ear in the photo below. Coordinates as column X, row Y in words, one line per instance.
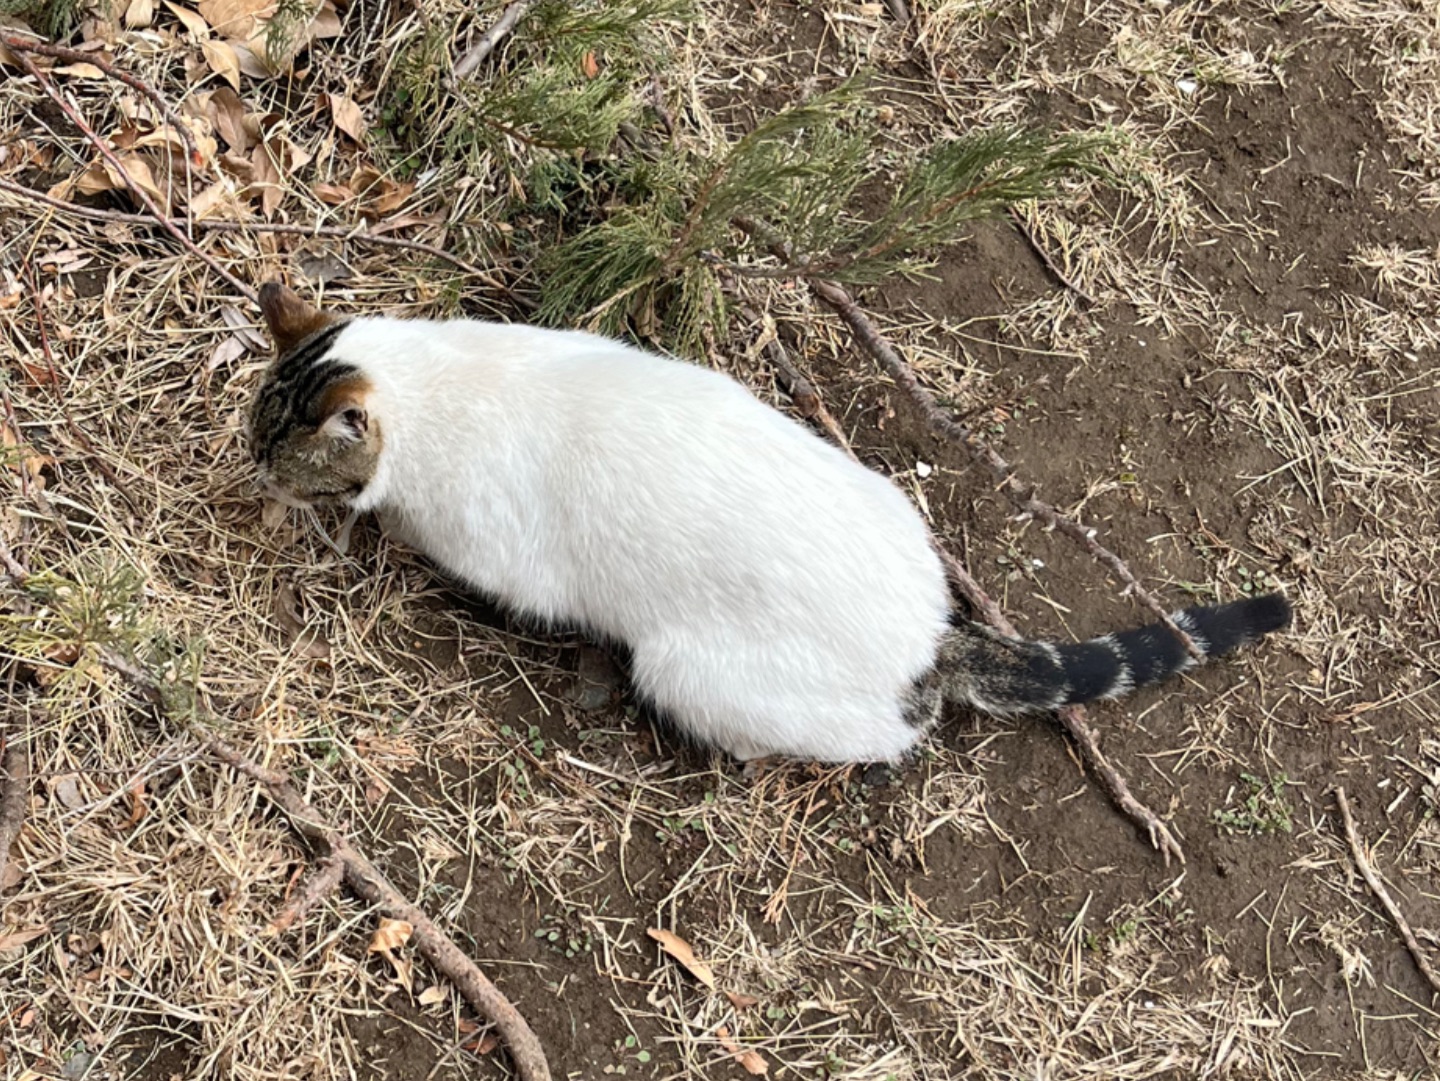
column 343, row 407
column 291, row 320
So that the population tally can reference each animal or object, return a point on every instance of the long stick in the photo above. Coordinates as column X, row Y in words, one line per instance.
column 1377, row 887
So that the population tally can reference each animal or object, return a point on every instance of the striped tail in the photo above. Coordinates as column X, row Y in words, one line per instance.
column 999, row 675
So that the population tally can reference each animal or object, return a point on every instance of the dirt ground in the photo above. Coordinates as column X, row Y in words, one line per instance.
column 1237, row 387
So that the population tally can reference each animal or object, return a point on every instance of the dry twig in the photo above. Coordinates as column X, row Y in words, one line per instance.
column 367, row 880
column 467, row 64
column 1377, row 887
column 1045, row 258
column 318, row 885
column 217, row 226
column 159, row 216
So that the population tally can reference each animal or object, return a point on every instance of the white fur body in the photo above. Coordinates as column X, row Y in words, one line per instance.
column 777, row 597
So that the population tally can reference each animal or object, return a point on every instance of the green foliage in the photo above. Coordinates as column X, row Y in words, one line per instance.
column 564, row 79
column 55, row 18
column 102, row 606
column 787, row 199
column 288, row 22
column 1263, row 808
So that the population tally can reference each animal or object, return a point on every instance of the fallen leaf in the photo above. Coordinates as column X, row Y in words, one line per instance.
column 244, row 330
column 16, row 939
column 310, row 642
column 212, row 198
column 272, row 514
column 194, row 22
column 67, row 791
column 227, row 115
column 80, row 70
column 589, row 65
column 347, row 117
column 742, row 1002
column 228, row 351
column 751, row 1060
column 431, row 995
column 327, row 22
column 332, row 194
column 390, row 935
column 679, row 949
column 484, row 1045
column 235, row 18
column 140, row 14
column 268, row 181
column 137, row 805
column 393, row 198
column 223, row 61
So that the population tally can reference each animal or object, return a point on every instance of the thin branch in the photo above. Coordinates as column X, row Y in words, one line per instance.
column 467, row 64
column 1377, row 887
column 318, row 886
column 204, row 224
column 368, row 882
column 1044, row 257
column 76, row 56
column 904, row 377
column 140, row 193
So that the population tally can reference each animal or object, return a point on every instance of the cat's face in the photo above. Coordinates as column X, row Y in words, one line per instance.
column 312, row 433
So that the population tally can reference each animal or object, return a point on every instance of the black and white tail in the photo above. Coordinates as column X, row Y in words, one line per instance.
column 995, row 674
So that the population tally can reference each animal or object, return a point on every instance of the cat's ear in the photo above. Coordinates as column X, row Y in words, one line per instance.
column 347, row 420
column 290, row 319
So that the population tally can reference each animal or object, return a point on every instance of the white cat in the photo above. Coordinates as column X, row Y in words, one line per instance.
column 776, row 597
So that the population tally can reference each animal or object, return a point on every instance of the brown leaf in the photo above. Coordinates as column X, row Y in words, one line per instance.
column 79, row 70
column 67, row 791
column 216, row 197
column 742, row 1002
column 753, row 1062
column 589, row 65
column 327, row 22
column 15, row 939
column 390, row 935
column 223, row 61
column 227, row 116
column 193, row 22
column 140, row 14
column 237, row 19
column 347, row 117
column 310, row 642
column 679, row 949
column 393, row 198
column 267, row 180
column 332, row 194
column 431, row 995
column 137, row 805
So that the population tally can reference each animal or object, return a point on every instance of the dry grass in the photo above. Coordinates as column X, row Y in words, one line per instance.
column 453, row 751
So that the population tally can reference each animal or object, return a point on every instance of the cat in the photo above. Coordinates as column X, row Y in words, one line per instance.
column 776, row 597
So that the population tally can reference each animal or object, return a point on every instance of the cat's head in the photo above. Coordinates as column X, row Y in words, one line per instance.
column 312, row 431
